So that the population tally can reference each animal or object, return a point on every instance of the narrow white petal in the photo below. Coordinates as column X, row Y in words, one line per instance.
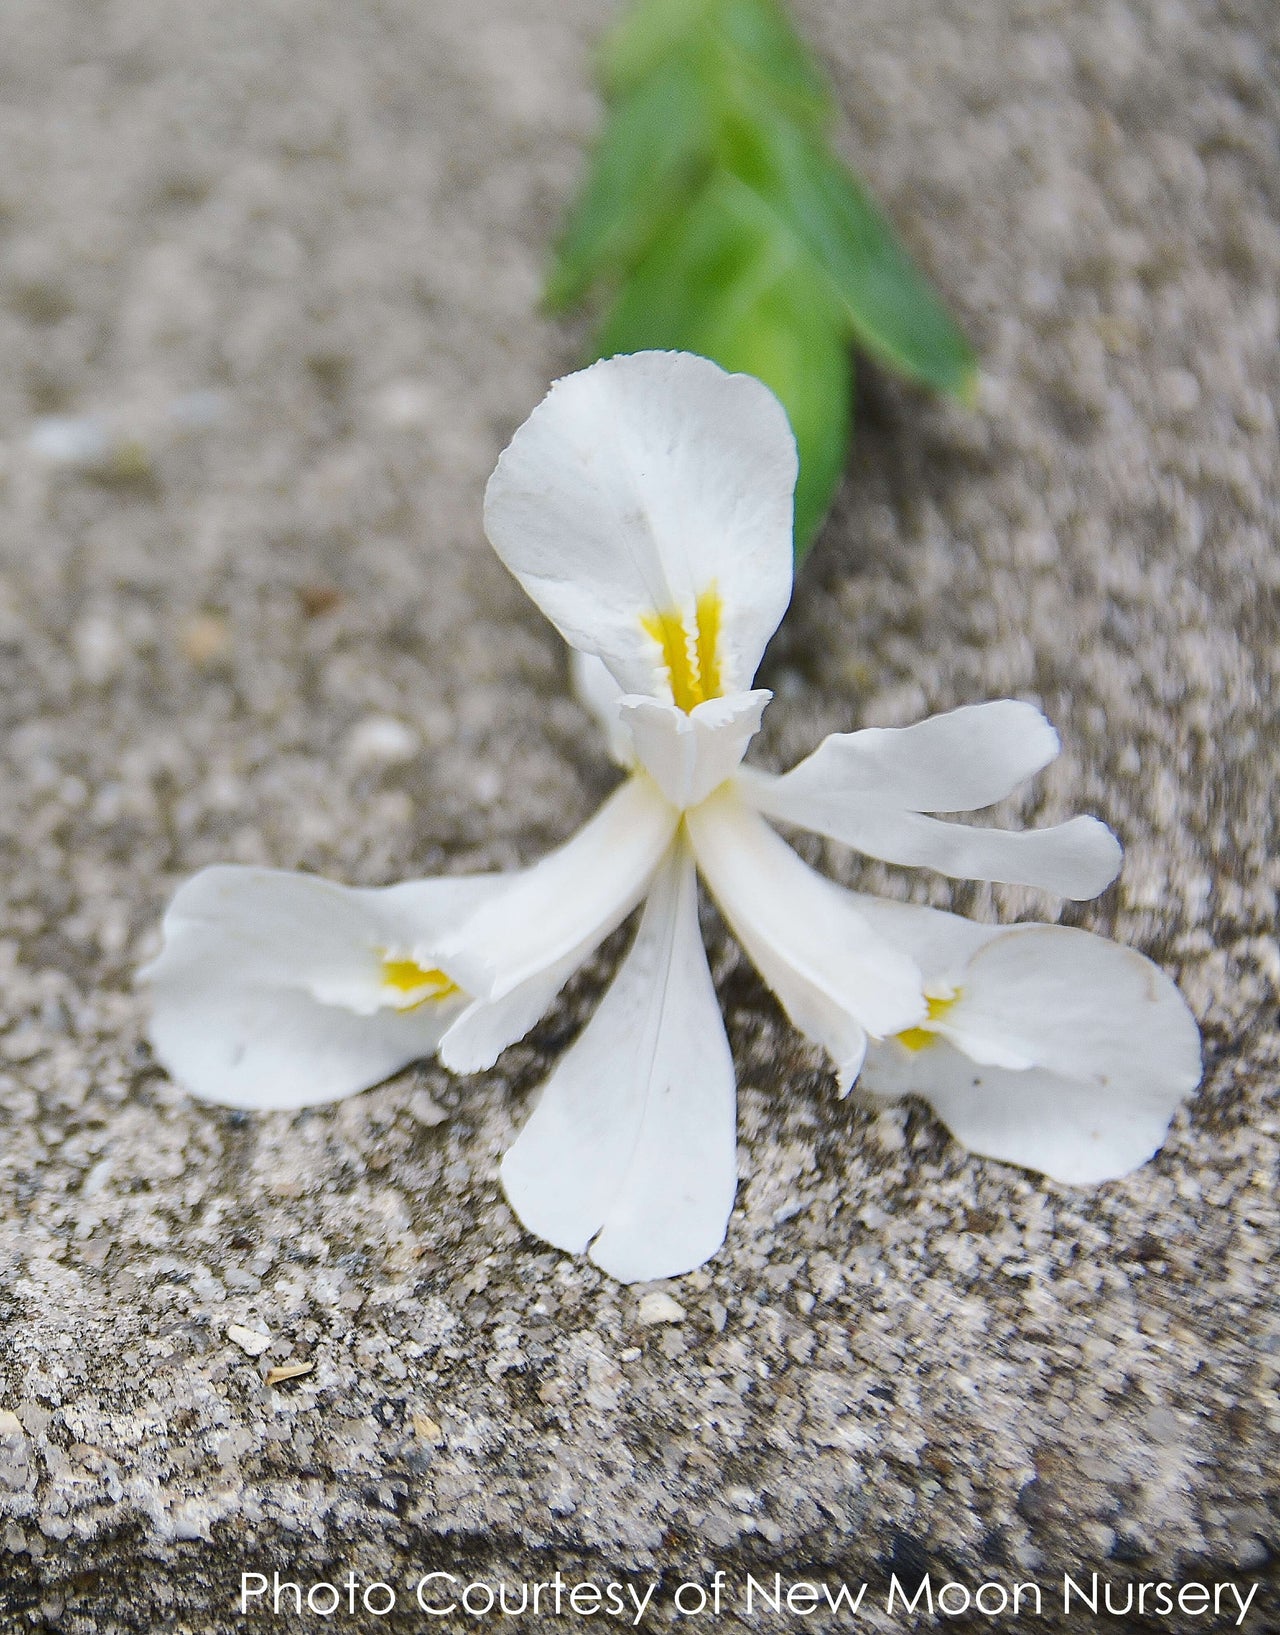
column 836, row 978
column 635, row 487
column 1062, row 1051
column 268, row 991
column 1076, row 859
column 957, row 762
column 556, row 912
column 868, row 790
column 689, row 754
column 487, row 1026
column 600, row 693
column 632, row 1143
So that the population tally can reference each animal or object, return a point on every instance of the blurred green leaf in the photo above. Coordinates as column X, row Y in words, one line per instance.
column 893, row 312
column 718, row 221
column 773, row 62
column 751, row 38
column 647, row 36
column 657, row 144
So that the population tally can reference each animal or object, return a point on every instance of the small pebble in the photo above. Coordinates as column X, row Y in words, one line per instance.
column 658, row 1307
column 248, row 1339
column 382, row 739
column 70, row 440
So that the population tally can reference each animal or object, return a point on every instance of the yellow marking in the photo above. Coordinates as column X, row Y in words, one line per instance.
column 923, row 1035
column 692, row 660
column 413, row 985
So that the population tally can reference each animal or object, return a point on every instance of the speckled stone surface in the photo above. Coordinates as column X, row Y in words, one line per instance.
column 286, row 257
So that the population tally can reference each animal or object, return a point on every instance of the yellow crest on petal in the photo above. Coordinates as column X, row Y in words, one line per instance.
column 691, row 657
column 921, row 1037
column 409, row 984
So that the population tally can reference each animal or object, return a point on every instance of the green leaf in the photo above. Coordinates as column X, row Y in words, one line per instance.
column 727, row 281
column 647, row 35
column 656, row 147
column 893, row 312
column 772, row 60
column 723, row 224
column 750, row 41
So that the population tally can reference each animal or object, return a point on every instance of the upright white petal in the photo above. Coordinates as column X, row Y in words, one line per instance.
column 688, row 754
column 554, row 913
column 1054, row 1049
column 870, row 790
column 270, row 988
column 837, row 979
column 632, row 1147
column 635, row 488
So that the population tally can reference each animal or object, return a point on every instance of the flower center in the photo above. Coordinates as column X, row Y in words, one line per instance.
column 409, row 984
column 924, row 1034
column 691, row 658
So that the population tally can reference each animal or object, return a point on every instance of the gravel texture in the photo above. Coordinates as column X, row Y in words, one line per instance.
column 268, row 286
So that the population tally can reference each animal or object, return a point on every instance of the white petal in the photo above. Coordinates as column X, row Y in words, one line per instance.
column 1108, row 1046
column 556, row 912
column 1079, row 1005
column 484, row 1030
column 836, row 978
column 1076, row 859
column 956, row 762
column 941, row 944
column 632, row 1144
column 268, row 991
column 689, row 754
column 868, row 789
column 600, row 693
column 635, row 487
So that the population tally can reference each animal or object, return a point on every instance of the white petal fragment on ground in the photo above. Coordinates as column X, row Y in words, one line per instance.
column 268, row 991
column 557, row 911
column 632, row 1146
column 1063, row 1052
column 836, row 978
column 635, row 487
column 689, row 754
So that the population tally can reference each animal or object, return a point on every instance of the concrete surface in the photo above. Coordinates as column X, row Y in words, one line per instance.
column 286, row 259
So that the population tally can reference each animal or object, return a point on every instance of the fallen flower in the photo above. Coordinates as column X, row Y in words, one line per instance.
column 645, row 505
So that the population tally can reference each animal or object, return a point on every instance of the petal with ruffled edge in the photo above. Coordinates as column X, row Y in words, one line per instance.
column 869, row 790
column 632, row 1146
column 690, row 753
column 837, row 979
column 554, row 913
column 272, row 989
column 1051, row 1047
column 644, row 489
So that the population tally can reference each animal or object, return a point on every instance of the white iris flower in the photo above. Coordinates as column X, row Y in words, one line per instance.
column 645, row 505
